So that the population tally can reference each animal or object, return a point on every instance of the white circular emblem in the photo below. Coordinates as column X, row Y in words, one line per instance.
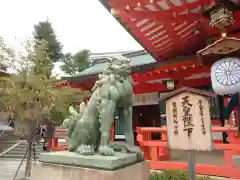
column 228, row 73
column 225, row 76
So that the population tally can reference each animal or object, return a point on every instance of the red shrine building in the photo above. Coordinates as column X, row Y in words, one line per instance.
column 171, row 31
column 144, row 103
column 182, row 39
column 152, row 80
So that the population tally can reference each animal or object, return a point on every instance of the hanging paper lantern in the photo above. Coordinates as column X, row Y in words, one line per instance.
column 225, row 76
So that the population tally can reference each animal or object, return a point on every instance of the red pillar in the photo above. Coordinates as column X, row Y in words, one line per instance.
column 234, row 137
column 112, row 131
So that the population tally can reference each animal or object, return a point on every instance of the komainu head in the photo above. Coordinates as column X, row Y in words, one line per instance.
column 118, row 65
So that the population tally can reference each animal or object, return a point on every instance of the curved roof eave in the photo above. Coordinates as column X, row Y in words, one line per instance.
column 105, row 4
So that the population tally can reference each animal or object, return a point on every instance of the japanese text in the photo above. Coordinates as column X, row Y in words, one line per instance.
column 174, row 113
column 202, row 117
column 187, row 116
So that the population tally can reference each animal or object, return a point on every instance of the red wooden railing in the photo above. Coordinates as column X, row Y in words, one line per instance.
column 55, row 146
column 157, row 151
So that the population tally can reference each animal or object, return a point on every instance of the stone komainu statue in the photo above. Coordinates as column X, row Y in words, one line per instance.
column 89, row 130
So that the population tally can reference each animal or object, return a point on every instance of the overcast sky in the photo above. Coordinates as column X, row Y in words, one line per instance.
column 78, row 24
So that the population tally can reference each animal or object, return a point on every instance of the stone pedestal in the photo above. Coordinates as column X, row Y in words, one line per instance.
column 71, row 166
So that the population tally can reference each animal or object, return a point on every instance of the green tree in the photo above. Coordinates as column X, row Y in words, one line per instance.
column 31, row 93
column 44, row 30
column 73, row 64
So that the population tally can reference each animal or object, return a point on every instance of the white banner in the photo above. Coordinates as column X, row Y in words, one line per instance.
column 146, row 99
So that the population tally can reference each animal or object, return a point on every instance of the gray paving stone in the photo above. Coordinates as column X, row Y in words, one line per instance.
column 8, row 168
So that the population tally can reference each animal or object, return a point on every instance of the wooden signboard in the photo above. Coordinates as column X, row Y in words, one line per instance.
column 188, row 120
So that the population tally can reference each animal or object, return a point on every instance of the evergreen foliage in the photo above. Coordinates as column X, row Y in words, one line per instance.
column 44, row 30
column 73, row 64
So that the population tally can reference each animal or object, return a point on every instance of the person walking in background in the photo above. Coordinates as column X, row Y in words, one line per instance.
column 43, row 133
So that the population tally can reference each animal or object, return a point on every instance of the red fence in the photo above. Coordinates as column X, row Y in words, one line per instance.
column 159, row 155
column 157, row 152
column 55, row 146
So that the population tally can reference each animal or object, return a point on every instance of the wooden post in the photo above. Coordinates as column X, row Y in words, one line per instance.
column 192, row 165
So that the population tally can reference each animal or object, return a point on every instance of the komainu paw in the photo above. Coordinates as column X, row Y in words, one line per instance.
column 85, row 150
column 106, row 151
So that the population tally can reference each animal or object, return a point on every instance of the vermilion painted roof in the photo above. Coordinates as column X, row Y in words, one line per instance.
column 167, row 28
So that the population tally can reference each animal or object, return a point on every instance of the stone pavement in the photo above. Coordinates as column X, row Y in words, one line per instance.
column 8, row 168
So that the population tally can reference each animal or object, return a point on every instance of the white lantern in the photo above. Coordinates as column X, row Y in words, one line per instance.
column 225, row 76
